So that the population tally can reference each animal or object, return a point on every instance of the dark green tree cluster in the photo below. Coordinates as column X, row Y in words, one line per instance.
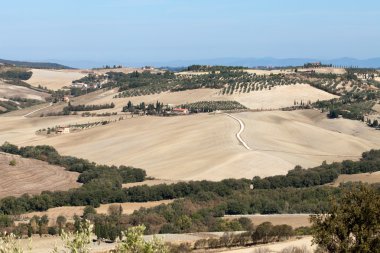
column 5, row 222
column 110, row 226
column 298, row 177
column 122, row 174
column 353, row 105
column 211, row 106
column 204, row 68
column 370, row 162
column 76, row 108
column 16, row 74
column 320, row 175
column 150, row 109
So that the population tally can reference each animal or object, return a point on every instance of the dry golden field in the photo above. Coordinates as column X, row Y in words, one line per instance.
column 204, row 146
column 32, row 176
column 54, row 79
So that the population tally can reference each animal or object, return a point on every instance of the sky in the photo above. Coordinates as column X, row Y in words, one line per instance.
column 144, row 31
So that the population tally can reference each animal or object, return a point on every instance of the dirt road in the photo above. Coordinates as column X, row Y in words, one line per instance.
column 238, row 135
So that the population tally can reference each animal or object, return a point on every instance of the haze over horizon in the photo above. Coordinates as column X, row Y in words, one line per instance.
column 95, row 33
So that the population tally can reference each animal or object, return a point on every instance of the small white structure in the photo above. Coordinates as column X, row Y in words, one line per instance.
column 63, row 130
column 79, row 85
column 66, row 99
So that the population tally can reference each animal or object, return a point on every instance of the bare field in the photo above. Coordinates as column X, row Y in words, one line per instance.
column 9, row 91
column 266, row 72
column 294, row 220
column 125, row 70
column 325, row 70
column 303, row 243
column 370, row 178
column 277, row 97
column 263, row 72
column 204, row 146
column 176, row 98
column 280, row 96
column 192, row 73
column 70, row 211
column 45, row 244
column 376, row 108
column 55, row 79
column 22, row 130
column 32, row 176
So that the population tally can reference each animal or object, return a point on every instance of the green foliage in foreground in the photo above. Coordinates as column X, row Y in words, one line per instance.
column 134, row 242
column 80, row 242
column 10, row 244
column 352, row 223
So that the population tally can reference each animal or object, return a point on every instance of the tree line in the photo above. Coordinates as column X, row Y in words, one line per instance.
column 150, row 109
column 211, row 106
column 103, row 184
column 320, row 175
column 76, row 108
column 16, row 74
column 351, row 224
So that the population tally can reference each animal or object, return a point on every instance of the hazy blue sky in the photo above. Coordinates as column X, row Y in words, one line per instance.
column 164, row 30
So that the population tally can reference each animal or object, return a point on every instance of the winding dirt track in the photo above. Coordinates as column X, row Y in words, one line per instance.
column 204, row 146
column 238, row 135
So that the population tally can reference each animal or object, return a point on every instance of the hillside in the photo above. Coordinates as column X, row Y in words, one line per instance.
column 54, row 79
column 40, row 65
column 32, row 176
column 204, row 146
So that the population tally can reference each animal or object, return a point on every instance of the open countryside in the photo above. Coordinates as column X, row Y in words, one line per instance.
column 166, row 128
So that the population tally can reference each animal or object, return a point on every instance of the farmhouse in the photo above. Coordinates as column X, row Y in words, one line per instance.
column 79, row 85
column 313, row 65
column 63, row 130
column 66, row 99
column 181, row 111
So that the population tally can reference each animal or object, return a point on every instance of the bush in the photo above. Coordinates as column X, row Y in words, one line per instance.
column 13, row 162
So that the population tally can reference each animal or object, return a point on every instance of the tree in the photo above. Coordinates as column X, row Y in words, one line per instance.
column 77, row 223
column 333, row 114
column 89, row 212
column 61, row 221
column 43, row 223
column 375, row 123
column 352, row 224
column 263, row 232
column 135, row 243
column 78, row 242
column 13, row 162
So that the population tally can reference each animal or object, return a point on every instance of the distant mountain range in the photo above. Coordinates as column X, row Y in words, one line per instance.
column 246, row 62
column 176, row 64
column 273, row 62
column 40, row 65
